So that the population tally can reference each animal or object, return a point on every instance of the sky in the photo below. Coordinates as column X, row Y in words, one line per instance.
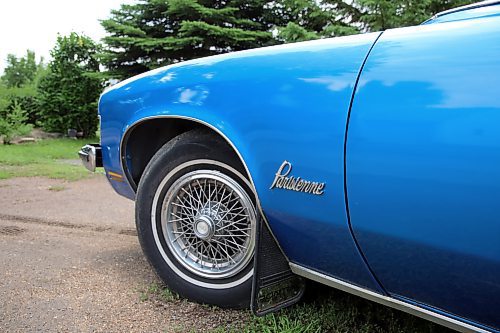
column 34, row 24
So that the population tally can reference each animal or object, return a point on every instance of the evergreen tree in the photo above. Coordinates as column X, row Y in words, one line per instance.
column 379, row 15
column 299, row 20
column 153, row 33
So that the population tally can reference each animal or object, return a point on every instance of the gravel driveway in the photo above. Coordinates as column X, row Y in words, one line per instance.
column 70, row 262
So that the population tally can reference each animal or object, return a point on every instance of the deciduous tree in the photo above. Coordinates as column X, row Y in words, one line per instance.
column 21, row 71
column 18, row 86
column 70, row 91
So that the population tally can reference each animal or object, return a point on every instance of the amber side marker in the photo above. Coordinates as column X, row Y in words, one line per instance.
column 115, row 176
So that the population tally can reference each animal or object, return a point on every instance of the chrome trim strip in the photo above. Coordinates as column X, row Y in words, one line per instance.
column 385, row 300
column 134, row 186
column 468, row 7
column 463, row 8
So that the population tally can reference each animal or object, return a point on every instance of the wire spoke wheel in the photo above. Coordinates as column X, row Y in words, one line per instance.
column 208, row 222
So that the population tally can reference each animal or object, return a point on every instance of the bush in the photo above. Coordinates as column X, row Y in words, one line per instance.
column 70, row 90
column 18, row 86
column 24, row 97
column 14, row 124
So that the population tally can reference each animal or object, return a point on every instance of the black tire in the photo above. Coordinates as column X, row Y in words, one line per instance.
column 187, row 153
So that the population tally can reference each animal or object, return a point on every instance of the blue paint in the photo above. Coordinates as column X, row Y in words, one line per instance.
column 423, row 165
column 270, row 103
column 422, row 151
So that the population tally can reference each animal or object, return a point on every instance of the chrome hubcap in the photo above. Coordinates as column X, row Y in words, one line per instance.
column 208, row 222
column 204, row 227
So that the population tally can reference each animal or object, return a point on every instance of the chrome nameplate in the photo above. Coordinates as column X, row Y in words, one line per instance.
column 297, row 184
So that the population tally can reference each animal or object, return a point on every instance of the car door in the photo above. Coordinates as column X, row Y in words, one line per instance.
column 423, row 166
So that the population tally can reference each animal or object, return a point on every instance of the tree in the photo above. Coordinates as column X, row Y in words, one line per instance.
column 379, row 15
column 300, row 20
column 70, row 91
column 293, row 32
column 214, row 27
column 153, row 33
column 21, row 71
column 18, row 88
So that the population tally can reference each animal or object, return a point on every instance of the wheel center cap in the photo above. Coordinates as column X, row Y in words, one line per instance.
column 204, row 227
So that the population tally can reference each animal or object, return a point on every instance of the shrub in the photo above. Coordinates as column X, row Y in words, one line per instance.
column 24, row 97
column 14, row 124
column 70, row 90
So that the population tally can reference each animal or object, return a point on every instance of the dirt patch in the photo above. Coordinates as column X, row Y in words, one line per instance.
column 71, row 262
column 11, row 230
column 90, row 202
column 129, row 232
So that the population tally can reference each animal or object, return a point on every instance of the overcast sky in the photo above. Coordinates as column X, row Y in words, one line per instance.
column 34, row 24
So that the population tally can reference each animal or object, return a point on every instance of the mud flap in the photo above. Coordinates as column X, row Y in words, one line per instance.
column 274, row 285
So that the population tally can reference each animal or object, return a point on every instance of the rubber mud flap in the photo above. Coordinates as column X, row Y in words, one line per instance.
column 274, row 285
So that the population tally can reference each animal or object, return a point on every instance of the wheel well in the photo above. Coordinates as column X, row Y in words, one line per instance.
column 146, row 138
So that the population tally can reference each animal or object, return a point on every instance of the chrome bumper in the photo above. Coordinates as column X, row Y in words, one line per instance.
column 91, row 156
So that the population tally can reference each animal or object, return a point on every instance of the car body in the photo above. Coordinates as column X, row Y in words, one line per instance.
column 374, row 159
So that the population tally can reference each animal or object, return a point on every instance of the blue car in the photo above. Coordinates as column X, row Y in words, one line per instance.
column 369, row 163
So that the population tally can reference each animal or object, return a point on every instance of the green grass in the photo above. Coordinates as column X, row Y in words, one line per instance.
column 322, row 309
column 158, row 292
column 328, row 310
column 43, row 158
column 57, row 188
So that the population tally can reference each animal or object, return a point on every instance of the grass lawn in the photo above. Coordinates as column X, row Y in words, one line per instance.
column 322, row 309
column 325, row 309
column 47, row 158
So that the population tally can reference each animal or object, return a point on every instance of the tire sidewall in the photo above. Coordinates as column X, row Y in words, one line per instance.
column 173, row 160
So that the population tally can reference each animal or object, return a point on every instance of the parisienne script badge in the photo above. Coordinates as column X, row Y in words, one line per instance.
column 286, row 182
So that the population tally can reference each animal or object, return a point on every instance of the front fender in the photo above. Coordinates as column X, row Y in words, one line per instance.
column 273, row 104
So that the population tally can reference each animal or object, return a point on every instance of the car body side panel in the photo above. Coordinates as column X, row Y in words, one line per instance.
column 280, row 103
column 423, row 165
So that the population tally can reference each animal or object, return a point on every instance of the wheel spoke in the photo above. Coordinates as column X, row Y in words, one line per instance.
column 184, row 207
column 209, row 220
column 189, row 194
column 231, row 223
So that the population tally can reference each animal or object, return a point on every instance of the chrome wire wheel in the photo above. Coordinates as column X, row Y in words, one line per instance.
column 208, row 222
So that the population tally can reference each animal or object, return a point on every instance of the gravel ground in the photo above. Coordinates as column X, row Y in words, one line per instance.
column 71, row 262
